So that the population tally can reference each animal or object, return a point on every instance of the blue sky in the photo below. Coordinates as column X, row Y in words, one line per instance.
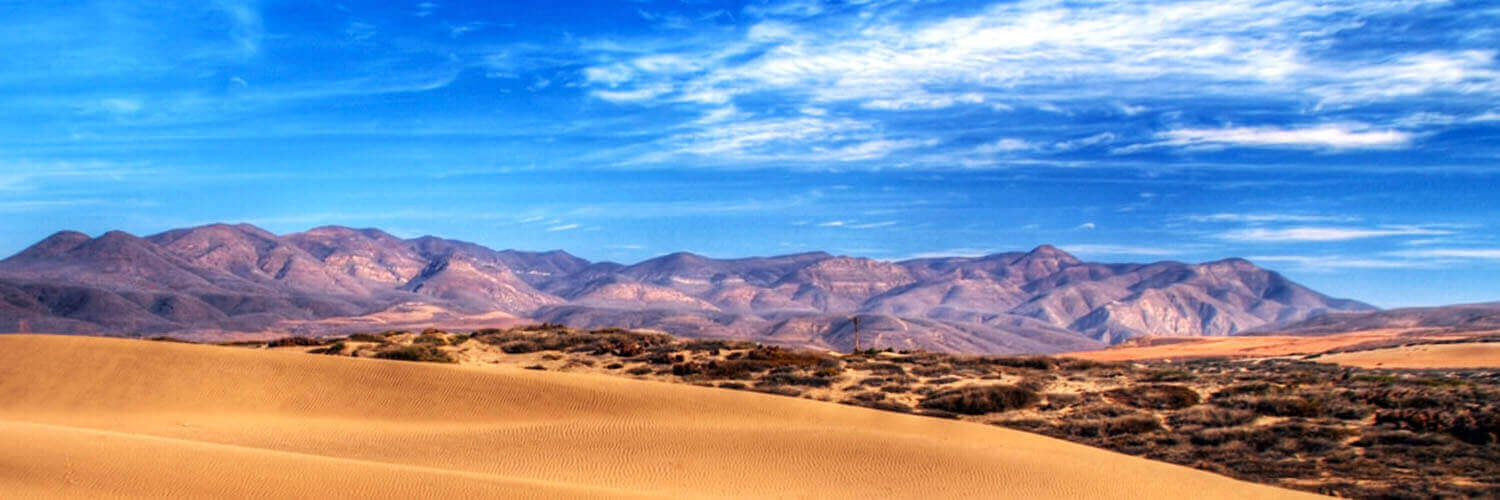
column 1351, row 145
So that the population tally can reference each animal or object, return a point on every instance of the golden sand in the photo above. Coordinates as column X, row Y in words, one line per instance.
column 88, row 417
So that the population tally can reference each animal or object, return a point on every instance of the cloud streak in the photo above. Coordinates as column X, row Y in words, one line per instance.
column 1323, row 233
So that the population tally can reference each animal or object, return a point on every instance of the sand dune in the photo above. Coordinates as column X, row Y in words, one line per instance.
column 92, row 417
column 1466, row 355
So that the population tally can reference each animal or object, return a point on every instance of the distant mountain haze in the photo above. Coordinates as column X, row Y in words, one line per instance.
column 242, row 279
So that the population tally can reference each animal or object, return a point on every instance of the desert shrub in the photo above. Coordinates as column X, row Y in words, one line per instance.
column 733, row 385
column 1279, row 406
column 519, row 347
column 895, row 389
column 334, row 348
column 867, row 396
column 1208, row 416
column 1103, row 411
column 872, row 381
column 639, row 370
column 1479, row 427
column 1286, row 437
column 1255, row 388
column 944, row 380
column 1036, row 382
column 829, row 371
column 422, row 353
column 1136, row 423
column 365, row 337
column 536, row 367
column 1168, row 375
column 779, row 356
column 780, row 390
column 776, row 379
column 1398, row 437
column 556, row 338
column 1030, row 362
column 687, row 369
column 1155, row 396
column 1057, row 400
column 294, row 341
column 1025, row 424
column 979, row 400
column 886, row 368
column 430, row 338
column 932, row 370
column 613, row 366
column 551, row 356
column 1406, row 398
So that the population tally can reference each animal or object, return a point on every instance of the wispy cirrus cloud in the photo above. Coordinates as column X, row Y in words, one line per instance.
column 1451, row 253
column 1323, row 233
column 1330, row 263
column 1261, row 217
column 1345, row 136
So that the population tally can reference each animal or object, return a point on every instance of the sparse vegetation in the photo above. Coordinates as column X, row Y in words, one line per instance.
column 422, row 353
column 1293, row 423
column 982, row 399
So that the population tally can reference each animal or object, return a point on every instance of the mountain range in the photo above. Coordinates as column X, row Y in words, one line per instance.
column 225, row 280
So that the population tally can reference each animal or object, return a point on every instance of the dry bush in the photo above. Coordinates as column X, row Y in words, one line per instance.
column 932, row 370
column 1060, row 400
column 1208, row 416
column 1135, row 423
column 779, row 379
column 1155, row 396
column 979, row 400
column 294, row 341
column 422, row 353
column 365, row 337
column 332, row 349
column 1478, row 427
column 1028, row 362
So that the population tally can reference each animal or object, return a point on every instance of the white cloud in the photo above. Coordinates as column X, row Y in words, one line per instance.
column 1269, row 217
column 873, row 225
column 1344, row 136
column 1085, row 226
column 1323, row 233
column 633, row 95
column 1006, row 145
column 832, row 223
column 1093, row 140
column 1326, row 263
column 564, row 227
column 121, row 105
column 1451, row 253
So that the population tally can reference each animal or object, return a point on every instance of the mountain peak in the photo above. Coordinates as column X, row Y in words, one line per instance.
column 1050, row 252
column 58, row 243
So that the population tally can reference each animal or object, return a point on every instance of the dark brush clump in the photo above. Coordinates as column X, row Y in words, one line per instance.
column 979, row 400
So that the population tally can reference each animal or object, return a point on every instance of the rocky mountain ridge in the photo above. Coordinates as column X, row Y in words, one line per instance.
column 240, row 278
